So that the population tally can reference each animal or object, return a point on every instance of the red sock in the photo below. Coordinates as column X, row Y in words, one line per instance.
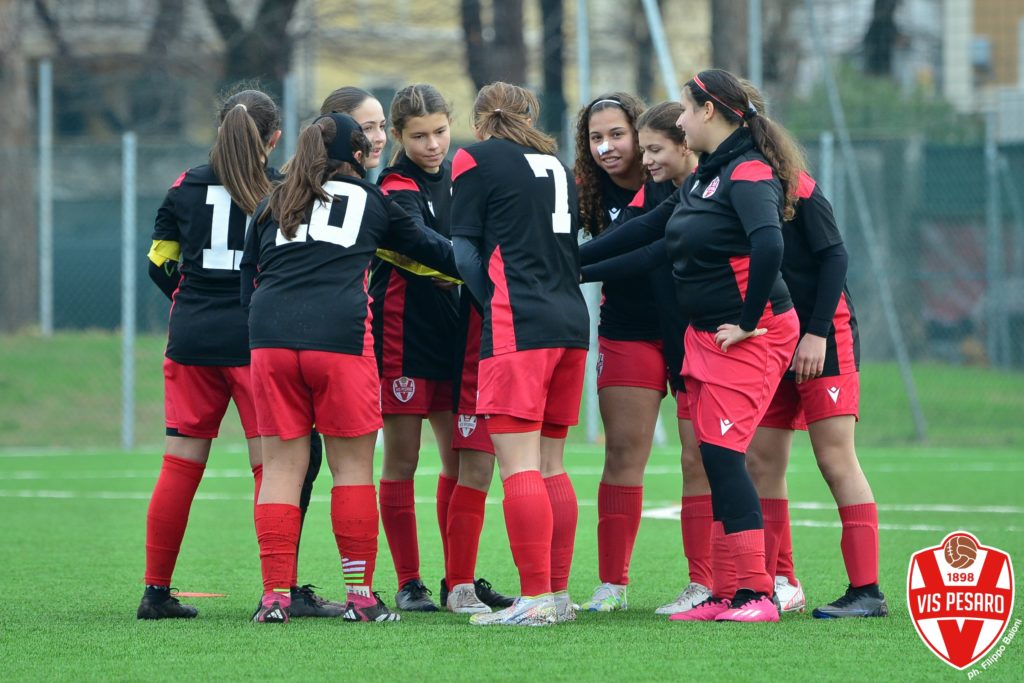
column 860, row 543
column 723, row 570
column 257, row 476
column 747, row 550
column 776, row 520
column 465, row 522
column 354, row 520
column 277, row 530
column 168, row 516
column 529, row 522
column 565, row 513
column 618, row 520
column 445, row 487
column 398, row 513
column 784, row 567
column 695, row 519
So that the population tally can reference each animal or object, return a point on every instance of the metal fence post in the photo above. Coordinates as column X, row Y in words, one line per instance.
column 129, row 262
column 46, row 198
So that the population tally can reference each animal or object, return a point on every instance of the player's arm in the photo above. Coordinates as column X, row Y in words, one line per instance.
column 632, row 234
column 469, row 259
column 470, row 195
column 822, row 234
column 635, row 263
column 248, row 267
column 165, row 251
column 757, row 205
column 414, row 240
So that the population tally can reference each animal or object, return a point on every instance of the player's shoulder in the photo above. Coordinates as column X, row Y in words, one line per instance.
column 197, row 175
column 750, row 167
column 400, row 177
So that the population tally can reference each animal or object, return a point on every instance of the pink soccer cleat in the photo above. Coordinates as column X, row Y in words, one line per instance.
column 705, row 611
column 748, row 606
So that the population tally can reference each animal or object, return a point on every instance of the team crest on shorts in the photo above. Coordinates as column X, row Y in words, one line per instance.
column 600, row 363
column 960, row 595
column 710, row 189
column 404, row 388
column 467, row 425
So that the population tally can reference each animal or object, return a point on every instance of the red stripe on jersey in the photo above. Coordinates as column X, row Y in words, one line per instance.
column 180, row 179
column 368, row 334
column 503, row 331
column 462, row 162
column 396, row 183
column 844, row 338
column 638, row 199
column 806, row 186
column 394, row 326
column 471, row 364
column 741, row 270
column 753, row 171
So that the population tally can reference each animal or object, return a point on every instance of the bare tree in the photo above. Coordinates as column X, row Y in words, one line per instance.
column 263, row 50
column 881, row 38
column 553, row 96
column 19, row 255
column 729, row 35
column 497, row 52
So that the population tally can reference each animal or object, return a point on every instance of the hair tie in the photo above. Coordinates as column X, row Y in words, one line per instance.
column 497, row 111
column 244, row 108
column 750, row 113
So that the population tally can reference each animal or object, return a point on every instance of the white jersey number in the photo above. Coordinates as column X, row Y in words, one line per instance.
column 319, row 229
column 544, row 165
column 218, row 256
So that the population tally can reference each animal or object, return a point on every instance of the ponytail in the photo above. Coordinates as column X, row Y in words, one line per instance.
column 508, row 112
column 309, row 170
column 736, row 100
column 238, row 157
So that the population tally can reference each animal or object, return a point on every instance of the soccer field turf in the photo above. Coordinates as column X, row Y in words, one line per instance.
column 73, row 536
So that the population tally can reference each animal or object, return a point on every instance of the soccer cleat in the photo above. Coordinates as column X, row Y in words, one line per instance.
column 705, row 611
column 159, row 603
column 306, row 603
column 565, row 609
column 690, row 597
column 463, row 600
column 273, row 609
column 367, row 608
column 608, row 597
column 748, row 606
column 791, row 598
column 491, row 597
column 444, row 592
column 866, row 601
column 535, row 611
column 414, row 597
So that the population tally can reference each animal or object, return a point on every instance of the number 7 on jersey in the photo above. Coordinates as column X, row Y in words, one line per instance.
column 544, row 165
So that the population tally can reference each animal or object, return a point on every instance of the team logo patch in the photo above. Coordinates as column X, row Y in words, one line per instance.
column 833, row 393
column 467, row 425
column 404, row 388
column 710, row 189
column 726, row 425
column 600, row 364
column 960, row 596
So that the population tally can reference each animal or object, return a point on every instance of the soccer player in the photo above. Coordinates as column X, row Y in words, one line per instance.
column 368, row 113
column 630, row 367
column 312, row 350
column 514, row 223
column 724, row 238
column 197, row 242
column 669, row 162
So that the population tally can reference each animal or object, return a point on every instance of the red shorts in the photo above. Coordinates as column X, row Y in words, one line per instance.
column 541, row 385
column 196, row 398
column 682, row 406
column 729, row 392
column 414, row 395
column 469, row 432
column 295, row 390
column 797, row 405
column 631, row 364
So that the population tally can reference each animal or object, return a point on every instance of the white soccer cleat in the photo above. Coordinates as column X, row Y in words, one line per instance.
column 608, row 597
column 536, row 611
column 565, row 610
column 462, row 599
column 791, row 598
column 692, row 595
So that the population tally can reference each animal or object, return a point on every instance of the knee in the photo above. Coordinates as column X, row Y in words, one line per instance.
column 476, row 471
column 692, row 466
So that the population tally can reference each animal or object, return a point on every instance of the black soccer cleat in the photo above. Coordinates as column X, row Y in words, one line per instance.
column 159, row 603
column 866, row 601
column 270, row 610
column 489, row 596
column 306, row 603
column 414, row 597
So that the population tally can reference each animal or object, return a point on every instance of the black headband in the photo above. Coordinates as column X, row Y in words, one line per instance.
column 340, row 148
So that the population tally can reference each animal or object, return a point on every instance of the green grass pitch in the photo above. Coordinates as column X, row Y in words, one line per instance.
column 73, row 533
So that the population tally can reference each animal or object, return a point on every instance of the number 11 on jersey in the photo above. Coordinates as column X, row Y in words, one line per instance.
column 544, row 165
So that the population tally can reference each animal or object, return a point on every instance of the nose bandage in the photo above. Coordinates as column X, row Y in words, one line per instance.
column 603, row 148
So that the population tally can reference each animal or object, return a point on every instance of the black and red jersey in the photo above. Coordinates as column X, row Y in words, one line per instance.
column 708, row 238
column 414, row 321
column 312, row 291
column 467, row 356
column 819, row 290
column 628, row 311
column 522, row 207
column 207, row 325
